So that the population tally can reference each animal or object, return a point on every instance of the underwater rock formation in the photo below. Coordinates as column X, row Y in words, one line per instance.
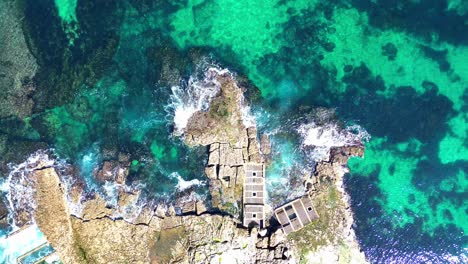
column 18, row 65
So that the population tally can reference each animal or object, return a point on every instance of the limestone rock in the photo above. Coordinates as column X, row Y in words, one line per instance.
column 332, row 234
column 211, row 172
column 200, row 208
column 160, row 211
column 265, row 144
column 145, row 216
column 126, row 198
column 213, row 157
column 53, row 217
column 112, row 241
column 97, row 238
column 262, row 243
column 188, row 207
column 230, row 144
column 276, row 238
column 95, row 208
column 223, row 120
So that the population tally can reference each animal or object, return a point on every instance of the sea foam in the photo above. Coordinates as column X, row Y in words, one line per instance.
column 324, row 137
column 19, row 187
column 196, row 95
column 191, row 97
column 182, row 184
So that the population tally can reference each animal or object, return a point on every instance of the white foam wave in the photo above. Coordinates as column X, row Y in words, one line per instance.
column 196, row 95
column 325, row 137
column 248, row 119
column 75, row 207
column 182, row 184
column 111, row 192
column 131, row 210
column 19, row 188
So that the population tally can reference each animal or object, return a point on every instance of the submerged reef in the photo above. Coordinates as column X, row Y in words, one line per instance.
column 18, row 65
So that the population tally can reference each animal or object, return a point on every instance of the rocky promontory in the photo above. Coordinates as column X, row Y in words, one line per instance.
column 330, row 239
column 154, row 236
column 84, row 227
column 229, row 141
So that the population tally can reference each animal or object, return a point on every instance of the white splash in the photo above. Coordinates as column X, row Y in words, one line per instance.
column 182, row 184
column 18, row 186
column 325, row 137
column 248, row 119
column 196, row 95
column 111, row 192
column 19, row 189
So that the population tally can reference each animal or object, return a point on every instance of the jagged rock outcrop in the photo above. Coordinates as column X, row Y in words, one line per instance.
column 223, row 120
column 104, row 232
column 150, row 238
column 52, row 215
column 230, row 144
column 113, row 170
column 330, row 238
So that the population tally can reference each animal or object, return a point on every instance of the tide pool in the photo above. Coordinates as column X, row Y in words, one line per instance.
column 22, row 241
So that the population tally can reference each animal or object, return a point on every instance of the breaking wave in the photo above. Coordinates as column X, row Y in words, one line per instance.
column 19, row 188
column 182, row 184
column 19, row 191
column 195, row 95
column 324, row 137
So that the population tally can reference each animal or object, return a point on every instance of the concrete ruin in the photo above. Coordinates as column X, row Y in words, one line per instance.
column 296, row 214
column 254, row 195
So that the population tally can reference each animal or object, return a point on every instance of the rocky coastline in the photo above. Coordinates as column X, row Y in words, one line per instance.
column 194, row 231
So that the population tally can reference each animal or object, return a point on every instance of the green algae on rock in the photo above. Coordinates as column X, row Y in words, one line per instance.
column 330, row 237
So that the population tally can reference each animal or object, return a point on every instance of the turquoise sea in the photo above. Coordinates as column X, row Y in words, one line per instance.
column 396, row 69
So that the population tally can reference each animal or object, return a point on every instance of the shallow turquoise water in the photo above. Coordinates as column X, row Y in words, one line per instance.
column 399, row 69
